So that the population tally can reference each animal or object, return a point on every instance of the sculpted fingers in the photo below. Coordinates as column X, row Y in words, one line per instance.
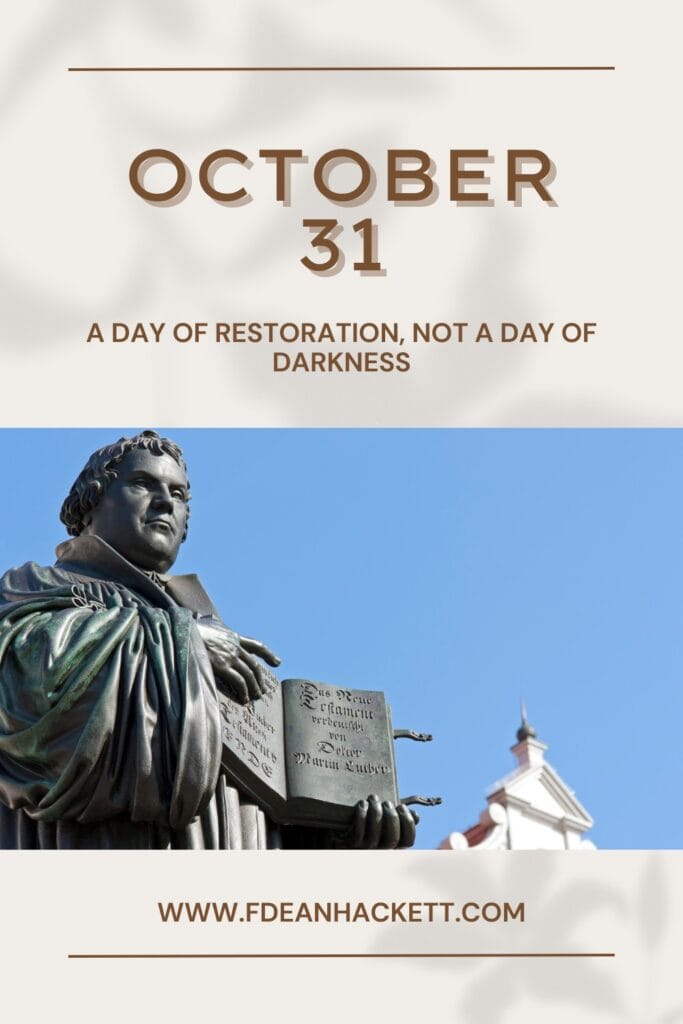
column 260, row 650
column 251, row 673
column 391, row 827
column 377, row 825
column 240, row 678
column 236, row 684
column 357, row 830
column 373, row 827
column 408, row 820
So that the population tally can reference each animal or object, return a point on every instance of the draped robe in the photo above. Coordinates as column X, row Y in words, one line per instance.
column 110, row 732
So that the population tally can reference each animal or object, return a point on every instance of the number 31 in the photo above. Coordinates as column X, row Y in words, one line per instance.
column 328, row 230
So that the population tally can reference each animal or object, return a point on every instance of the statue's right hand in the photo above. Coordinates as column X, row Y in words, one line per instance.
column 235, row 668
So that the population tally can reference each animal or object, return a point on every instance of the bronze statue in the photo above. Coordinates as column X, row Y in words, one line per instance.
column 110, row 731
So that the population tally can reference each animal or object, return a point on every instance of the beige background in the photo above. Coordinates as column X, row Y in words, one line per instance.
column 77, row 245
column 627, row 903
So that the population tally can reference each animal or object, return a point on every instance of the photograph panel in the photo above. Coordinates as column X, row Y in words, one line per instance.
column 504, row 589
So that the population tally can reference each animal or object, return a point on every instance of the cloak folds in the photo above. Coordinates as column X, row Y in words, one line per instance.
column 110, row 732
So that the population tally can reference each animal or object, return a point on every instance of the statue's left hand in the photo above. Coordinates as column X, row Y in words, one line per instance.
column 377, row 825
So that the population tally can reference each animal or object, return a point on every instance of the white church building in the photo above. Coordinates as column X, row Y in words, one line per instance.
column 532, row 808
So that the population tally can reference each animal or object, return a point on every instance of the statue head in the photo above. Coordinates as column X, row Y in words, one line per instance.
column 134, row 495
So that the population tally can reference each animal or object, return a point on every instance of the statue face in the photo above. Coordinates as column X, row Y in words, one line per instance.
column 144, row 511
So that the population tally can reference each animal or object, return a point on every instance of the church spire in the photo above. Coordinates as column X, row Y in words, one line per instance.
column 528, row 749
column 525, row 731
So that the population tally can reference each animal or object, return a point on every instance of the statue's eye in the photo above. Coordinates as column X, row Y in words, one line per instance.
column 139, row 483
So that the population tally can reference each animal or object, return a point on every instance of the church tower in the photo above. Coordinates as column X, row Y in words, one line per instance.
column 532, row 808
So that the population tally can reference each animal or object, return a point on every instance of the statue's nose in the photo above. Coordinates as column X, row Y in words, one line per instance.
column 162, row 500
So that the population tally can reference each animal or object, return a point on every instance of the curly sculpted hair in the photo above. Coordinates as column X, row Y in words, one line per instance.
column 100, row 470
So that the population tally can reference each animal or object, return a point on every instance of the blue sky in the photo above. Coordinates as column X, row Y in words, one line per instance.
column 455, row 569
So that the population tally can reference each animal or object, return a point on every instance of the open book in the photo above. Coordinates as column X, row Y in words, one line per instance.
column 307, row 751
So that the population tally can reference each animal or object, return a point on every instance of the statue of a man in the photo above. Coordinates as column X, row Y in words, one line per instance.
column 110, row 733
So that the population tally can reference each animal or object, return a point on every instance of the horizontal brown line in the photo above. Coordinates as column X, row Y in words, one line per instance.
column 426, row 68
column 329, row 956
